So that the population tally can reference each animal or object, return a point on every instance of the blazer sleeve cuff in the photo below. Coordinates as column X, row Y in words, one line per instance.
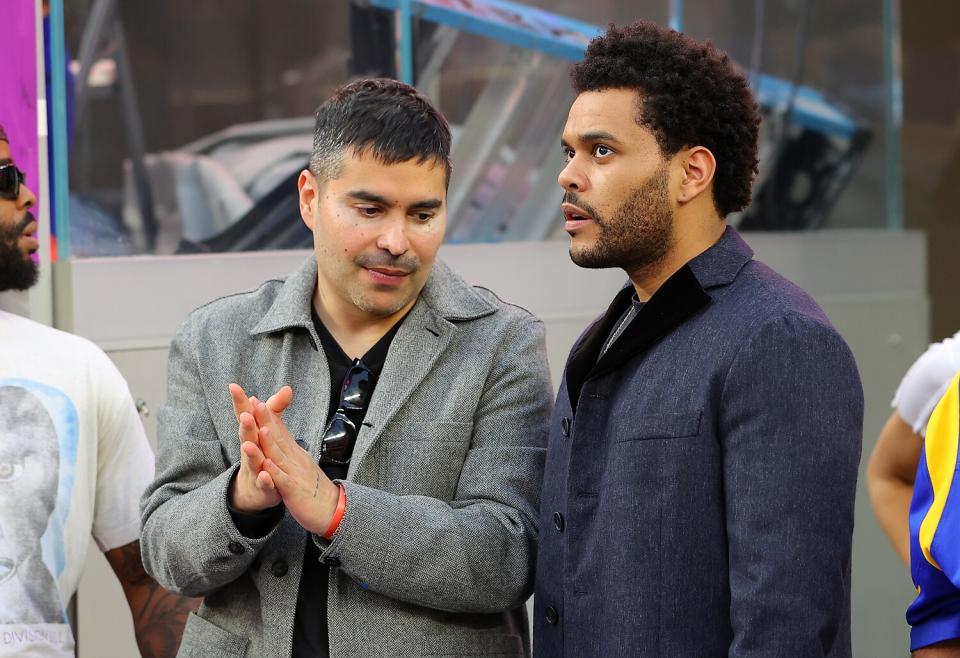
column 352, row 536
column 234, row 543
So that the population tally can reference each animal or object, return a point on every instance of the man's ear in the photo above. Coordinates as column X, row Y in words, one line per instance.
column 309, row 191
column 699, row 166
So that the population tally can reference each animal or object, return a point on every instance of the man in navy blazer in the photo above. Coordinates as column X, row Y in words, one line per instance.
column 702, row 462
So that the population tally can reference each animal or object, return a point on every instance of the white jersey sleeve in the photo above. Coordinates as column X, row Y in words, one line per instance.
column 125, row 462
column 926, row 381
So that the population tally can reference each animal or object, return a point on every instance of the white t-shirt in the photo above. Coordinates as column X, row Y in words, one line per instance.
column 926, row 381
column 74, row 460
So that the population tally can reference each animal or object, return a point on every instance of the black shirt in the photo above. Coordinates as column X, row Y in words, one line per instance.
column 310, row 633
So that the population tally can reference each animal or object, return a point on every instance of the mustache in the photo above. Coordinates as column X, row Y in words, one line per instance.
column 26, row 222
column 406, row 262
column 571, row 197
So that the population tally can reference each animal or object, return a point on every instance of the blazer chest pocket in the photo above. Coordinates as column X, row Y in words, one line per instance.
column 663, row 426
column 424, row 458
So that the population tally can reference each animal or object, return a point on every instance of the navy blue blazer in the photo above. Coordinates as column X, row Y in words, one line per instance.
column 699, row 487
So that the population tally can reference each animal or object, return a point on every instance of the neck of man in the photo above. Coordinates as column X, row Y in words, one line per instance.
column 354, row 329
column 696, row 227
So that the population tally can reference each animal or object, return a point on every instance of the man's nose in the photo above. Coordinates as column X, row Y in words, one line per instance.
column 26, row 200
column 571, row 179
column 394, row 237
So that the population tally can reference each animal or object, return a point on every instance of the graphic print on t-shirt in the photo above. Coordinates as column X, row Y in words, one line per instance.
column 38, row 444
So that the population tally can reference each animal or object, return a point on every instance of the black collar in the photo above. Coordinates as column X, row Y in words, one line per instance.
column 373, row 359
column 680, row 297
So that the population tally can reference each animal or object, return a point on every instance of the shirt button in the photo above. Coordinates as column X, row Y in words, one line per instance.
column 558, row 521
column 551, row 614
column 565, row 426
column 279, row 568
column 235, row 547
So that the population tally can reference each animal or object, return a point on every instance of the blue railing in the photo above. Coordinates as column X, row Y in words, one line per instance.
column 567, row 38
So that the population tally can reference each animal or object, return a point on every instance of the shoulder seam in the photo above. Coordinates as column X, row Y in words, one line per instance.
column 239, row 293
column 509, row 304
column 783, row 315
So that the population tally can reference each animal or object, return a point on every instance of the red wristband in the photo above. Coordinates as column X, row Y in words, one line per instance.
column 337, row 514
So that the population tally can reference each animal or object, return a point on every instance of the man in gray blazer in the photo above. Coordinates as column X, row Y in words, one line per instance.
column 702, row 460
column 368, row 484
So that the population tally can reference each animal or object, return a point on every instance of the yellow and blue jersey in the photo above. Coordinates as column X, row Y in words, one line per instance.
column 935, row 528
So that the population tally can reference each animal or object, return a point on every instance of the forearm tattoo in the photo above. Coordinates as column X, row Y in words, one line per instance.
column 158, row 615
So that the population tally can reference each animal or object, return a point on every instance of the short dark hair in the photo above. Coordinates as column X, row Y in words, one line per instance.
column 691, row 95
column 389, row 119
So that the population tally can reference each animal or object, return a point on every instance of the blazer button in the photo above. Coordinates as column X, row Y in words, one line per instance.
column 558, row 521
column 331, row 561
column 565, row 426
column 235, row 547
column 279, row 568
column 551, row 614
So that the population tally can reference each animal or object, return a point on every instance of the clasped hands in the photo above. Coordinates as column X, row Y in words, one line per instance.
column 274, row 468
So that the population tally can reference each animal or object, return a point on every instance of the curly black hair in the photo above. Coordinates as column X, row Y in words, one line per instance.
column 691, row 94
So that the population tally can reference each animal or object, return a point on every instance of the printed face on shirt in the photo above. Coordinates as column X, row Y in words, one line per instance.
column 617, row 205
column 376, row 231
column 29, row 475
column 18, row 234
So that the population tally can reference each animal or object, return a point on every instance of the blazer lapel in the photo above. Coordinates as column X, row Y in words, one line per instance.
column 677, row 299
column 680, row 297
column 309, row 375
column 584, row 355
column 315, row 391
column 419, row 342
column 303, row 365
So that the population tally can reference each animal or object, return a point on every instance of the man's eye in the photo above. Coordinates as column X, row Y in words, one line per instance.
column 368, row 211
column 10, row 471
column 567, row 155
column 601, row 151
column 423, row 216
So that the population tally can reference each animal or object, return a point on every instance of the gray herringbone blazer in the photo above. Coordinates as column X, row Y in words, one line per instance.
column 434, row 555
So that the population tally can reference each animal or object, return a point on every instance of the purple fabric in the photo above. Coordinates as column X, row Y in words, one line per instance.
column 18, row 88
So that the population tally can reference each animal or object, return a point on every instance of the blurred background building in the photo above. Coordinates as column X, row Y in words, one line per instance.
column 185, row 123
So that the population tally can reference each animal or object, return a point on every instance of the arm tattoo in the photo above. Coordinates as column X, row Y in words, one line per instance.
column 128, row 565
column 316, row 487
column 158, row 615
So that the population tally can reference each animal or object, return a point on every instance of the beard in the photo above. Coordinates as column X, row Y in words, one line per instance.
column 17, row 270
column 636, row 235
